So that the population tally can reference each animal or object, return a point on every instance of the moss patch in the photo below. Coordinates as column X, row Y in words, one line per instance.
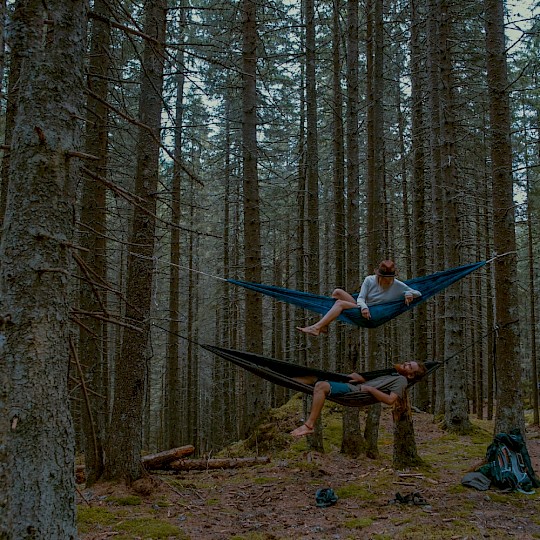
column 130, row 500
column 88, row 517
column 355, row 491
column 358, row 523
column 447, row 531
column 150, row 529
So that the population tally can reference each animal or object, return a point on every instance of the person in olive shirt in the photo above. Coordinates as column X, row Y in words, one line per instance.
column 386, row 389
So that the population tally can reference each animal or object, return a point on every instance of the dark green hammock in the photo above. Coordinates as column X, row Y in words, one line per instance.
column 381, row 313
column 282, row 373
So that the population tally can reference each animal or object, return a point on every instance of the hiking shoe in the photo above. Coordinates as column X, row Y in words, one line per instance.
column 325, row 497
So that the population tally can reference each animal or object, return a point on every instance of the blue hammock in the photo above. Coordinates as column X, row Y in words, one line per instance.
column 381, row 313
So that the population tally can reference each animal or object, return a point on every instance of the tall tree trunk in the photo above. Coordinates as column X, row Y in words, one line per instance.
column 532, row 303
column 456, row 417
column 223, row 370
column 191, row 379
column 353, row 440
column 405, row 450
column 252, row 224
column 508, row 391
column 93, row 337
column 419, row 210
column 172, row 388
column 125, row 436
column 37, row 451
column 312, row 184
column 433, row 65
column 376, row 201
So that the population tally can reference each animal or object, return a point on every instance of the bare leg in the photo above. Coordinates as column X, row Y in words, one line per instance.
column 320, row 392
column 343, row 301
column 306, row 379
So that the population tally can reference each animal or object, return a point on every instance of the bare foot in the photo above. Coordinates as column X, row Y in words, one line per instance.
column 301, row 431
column 311, row 330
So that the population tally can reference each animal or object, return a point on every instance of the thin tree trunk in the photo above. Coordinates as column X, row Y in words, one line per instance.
column 433, row 65
column 377, row 245
column 509, row 412
column 252, row 224
column 37, row 450
column 172, row 387
column 93, row 342
column 125, row 436
column 456, row 417
column 352, row 443
column 312, row 185
column 535, row 390
column 419, row 267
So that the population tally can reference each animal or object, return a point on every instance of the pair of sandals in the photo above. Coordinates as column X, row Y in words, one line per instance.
column 411, row 498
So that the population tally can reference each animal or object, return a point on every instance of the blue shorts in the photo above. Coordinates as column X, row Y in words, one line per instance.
column 340, row 388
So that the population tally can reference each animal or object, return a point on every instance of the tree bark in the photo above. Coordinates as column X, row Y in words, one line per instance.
column 162, row 459
column 353, row 443
column 376, row 199
column 456, row 418
column 405, row 451
column 312, row 188
column 125, row 437
column 36, row 432
column 92, row 236
column 172, row 390
column 255, row 402
column 433, row 68
column 508, row 390
column 216, row 463
column 419, row 208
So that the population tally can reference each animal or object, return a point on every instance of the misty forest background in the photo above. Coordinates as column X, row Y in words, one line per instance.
column 152, row 151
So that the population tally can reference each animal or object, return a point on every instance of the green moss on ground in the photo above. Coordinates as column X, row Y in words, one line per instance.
column 149, row 529
column 90, row 517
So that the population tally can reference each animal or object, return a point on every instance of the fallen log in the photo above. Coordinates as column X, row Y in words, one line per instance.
column 161, row 459
column 149, row 462
column 215, row 463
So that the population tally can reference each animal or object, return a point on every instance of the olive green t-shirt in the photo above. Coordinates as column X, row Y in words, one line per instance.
column 387, row 383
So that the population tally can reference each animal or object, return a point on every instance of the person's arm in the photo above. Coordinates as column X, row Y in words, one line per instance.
column 356, row 377
column 388, row 399
column 362, row 297
column 409, row 293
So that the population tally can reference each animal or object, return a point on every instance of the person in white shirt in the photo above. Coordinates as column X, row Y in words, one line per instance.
column 378, row 288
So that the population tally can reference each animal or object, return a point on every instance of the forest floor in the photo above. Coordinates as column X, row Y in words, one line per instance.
column 276, row 501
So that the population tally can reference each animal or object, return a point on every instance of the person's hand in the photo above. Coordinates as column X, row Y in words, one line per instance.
column 355, row 377
column 366, row 314
column 408, row 298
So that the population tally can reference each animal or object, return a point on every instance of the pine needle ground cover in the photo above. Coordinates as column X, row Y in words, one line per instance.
column 276, row 501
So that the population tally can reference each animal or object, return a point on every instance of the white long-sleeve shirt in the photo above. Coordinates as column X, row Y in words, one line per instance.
column 372, row 293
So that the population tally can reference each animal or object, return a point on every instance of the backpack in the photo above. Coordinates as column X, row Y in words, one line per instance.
column 509, row 465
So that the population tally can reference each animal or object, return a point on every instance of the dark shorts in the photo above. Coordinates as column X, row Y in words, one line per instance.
column 340, row 388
